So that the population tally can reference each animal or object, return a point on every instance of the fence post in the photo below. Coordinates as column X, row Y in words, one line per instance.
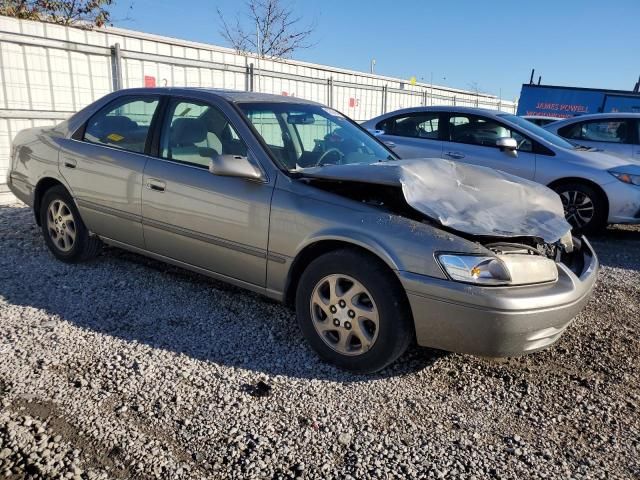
column 384, row 98
column 330, row 91
column 116, row 67
column 250, row 77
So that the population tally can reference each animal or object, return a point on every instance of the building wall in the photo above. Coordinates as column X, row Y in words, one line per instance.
column 48, row 72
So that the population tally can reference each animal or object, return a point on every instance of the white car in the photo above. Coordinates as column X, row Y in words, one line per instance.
column 596, row 188
column 614, row 132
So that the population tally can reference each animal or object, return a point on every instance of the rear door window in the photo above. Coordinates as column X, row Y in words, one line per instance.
column 123, row 124
column 414, row 125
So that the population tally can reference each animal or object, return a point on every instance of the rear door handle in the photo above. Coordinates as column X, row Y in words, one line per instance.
column 156, row 185
column 456, row 155
column 390, row 144
column 70, row 163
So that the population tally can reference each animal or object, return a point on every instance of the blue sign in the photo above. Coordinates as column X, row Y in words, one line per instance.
column 622, row 103
column 565, row 102
column 558, row 102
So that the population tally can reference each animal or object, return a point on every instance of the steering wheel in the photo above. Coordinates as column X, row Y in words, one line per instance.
column 331, row 150
column 521, row 143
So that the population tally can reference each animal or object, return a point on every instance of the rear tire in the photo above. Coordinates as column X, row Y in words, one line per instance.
column 585, row 208
column 64, row 231
column 352, row 312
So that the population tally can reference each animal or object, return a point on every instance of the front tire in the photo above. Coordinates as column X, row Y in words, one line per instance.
column 353, row 312
column 64, row 231
column 584, row 206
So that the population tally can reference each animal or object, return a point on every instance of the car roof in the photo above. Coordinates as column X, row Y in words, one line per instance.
column 234, row 96
column 441, row 108
column 596, row 116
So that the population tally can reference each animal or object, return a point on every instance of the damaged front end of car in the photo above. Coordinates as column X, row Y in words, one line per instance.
column 501, row 273
column 520, row 222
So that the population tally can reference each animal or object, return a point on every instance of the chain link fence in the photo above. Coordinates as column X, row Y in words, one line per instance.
column 48, row 72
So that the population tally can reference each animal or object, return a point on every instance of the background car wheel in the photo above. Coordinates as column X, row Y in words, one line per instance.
column 584, row 207
column 64, row 231
column 353, row 312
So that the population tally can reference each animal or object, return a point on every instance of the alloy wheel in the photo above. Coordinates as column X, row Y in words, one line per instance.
column 344, row 314
column 578, row 207
column 61, row 225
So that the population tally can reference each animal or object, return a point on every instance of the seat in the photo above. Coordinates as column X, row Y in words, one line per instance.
column 621, row 133
column 120, row 131
column 188, row 142
column 115, row 124
column 406, row 128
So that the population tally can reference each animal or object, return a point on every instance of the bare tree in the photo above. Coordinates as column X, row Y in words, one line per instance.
column 85, row 13
column 269, row 28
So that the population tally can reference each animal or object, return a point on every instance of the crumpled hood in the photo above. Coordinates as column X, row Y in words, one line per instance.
column 467, row 198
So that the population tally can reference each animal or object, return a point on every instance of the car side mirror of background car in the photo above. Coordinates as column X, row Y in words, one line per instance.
column 376, row 132
column 228, row 165
column 508, row 145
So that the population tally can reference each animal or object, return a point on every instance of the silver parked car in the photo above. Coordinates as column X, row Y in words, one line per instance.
column 293, row 200
column 614, row 132
column 596, row 188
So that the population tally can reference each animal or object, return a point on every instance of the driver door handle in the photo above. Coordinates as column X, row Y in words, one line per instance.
column 456, row 155
column 390, row 144
column 156, row 185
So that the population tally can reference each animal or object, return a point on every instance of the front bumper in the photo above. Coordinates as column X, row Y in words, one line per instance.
column 624, row 202
column 498, row 321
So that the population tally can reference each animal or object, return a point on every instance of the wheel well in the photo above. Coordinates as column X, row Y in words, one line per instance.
column 42, row 186
column 583, row 181
column 313, row 251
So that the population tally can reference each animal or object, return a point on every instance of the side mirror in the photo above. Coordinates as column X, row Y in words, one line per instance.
column 376, row 132
column 235, row 166
column 508, row 145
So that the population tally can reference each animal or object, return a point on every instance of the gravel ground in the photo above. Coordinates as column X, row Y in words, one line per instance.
column 125, row 367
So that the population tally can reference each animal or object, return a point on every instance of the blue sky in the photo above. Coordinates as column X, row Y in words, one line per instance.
column 492, row 44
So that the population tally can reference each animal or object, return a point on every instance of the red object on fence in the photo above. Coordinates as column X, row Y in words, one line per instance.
column 149, row 81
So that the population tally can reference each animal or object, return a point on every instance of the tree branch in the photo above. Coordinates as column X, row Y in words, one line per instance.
column 279, row 30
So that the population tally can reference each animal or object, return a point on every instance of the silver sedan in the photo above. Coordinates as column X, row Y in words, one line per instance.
column 618, row 133
column 596, row 188
column 293, row 200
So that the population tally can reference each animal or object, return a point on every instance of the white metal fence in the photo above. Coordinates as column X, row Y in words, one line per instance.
column 48, row 72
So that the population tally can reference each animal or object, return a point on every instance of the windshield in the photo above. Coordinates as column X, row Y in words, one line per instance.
column 539, row 131
column 301, row 136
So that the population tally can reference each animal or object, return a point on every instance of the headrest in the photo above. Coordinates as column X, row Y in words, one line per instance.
column 116, row 124
column 187, row 131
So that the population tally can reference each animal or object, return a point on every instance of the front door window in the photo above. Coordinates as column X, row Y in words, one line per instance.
column 195, row 132
column 474, row 130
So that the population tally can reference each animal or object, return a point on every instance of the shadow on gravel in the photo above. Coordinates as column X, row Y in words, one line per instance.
column 141, row 300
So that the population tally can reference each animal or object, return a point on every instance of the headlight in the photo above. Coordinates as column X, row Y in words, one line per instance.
column 629, row 178
column 475, row 269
